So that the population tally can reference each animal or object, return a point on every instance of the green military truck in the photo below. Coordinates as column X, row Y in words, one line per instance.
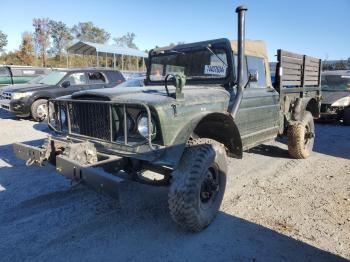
column 10, row 75
column 202, row 102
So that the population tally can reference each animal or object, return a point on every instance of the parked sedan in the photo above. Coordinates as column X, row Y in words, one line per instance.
column 31, row 99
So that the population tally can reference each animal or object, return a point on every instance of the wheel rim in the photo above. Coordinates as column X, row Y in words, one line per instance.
column 210, row 187
column 308, row 136
column 42, row 111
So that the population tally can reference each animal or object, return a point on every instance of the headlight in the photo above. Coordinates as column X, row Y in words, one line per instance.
column 16, row 96
column 343, row 102
column 142, row 126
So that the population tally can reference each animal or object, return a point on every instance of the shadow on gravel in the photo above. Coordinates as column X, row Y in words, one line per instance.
column 8, row 157
column 332, row 140
column 43, row 127
column 7, row 115
column 78, row 225
column 43, row 218
column 270, row 150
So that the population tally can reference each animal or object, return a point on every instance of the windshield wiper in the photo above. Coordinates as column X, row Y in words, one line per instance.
column 211, row 51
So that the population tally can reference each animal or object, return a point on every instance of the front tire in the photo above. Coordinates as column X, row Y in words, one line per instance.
column 39, row 110
column 198, row 184
column 301, row 137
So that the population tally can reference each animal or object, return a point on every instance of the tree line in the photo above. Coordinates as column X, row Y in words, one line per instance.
column 47, row 43
column 336, row 65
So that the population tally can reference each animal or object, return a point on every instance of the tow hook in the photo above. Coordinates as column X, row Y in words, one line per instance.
column 30, row 161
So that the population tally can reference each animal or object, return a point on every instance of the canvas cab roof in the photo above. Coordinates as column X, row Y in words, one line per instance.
column 252, row 48
column 255, row 48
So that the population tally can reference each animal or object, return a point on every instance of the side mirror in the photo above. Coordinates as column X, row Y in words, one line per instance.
column 65, row 84
column 253, row 75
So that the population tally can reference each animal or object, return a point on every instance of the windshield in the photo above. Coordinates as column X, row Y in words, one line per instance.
column 336, row 82
column 200, row 64
column 36, row 80
column 53, row 78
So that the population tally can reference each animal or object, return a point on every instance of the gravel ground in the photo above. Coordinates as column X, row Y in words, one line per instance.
column 275, row 209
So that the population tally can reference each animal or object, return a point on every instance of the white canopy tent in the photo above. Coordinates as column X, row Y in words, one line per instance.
column 108, row 51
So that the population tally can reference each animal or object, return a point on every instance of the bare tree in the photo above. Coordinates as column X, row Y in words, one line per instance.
column 127, row 40
column 42, row 37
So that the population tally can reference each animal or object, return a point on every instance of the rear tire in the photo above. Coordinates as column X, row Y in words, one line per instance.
column 39, row 110
column 198, row 184
column 346, row 118
column 301, row 136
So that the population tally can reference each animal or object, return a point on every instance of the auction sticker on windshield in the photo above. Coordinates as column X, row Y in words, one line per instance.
column 215, row 70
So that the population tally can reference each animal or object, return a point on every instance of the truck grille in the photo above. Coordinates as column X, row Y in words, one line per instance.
column 102, row 120
column 90, row 119
column 6, row 95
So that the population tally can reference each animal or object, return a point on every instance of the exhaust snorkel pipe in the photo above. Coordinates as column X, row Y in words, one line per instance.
column 240, row 53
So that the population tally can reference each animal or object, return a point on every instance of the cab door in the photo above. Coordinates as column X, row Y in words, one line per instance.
column 257, row 118
column 77, row 81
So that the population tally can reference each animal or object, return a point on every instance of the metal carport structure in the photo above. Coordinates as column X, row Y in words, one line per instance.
column 108, row 51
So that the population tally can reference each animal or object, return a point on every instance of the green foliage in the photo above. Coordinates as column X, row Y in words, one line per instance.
column 10, row 58
column 340, row 65
column 178, row 43
column 326, row 67
column 36, row 49
column 87, row 31
column 3, row 41
column 127, row 40
column 26, row 49
column 61, row 36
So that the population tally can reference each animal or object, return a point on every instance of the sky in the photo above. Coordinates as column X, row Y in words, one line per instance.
column 319, row 28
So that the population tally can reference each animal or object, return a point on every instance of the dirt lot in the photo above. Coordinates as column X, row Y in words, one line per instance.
column 275, row 209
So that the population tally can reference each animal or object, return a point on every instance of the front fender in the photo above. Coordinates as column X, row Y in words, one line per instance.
column 223, row 129
column 39, row 95
column 173, row 152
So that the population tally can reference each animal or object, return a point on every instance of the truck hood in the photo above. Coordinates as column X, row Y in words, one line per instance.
column 329, row 97
column 26, row 87
column 156, row 95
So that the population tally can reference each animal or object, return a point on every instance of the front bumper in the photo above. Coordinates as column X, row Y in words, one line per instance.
column 92, row 175
column 16, row 107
